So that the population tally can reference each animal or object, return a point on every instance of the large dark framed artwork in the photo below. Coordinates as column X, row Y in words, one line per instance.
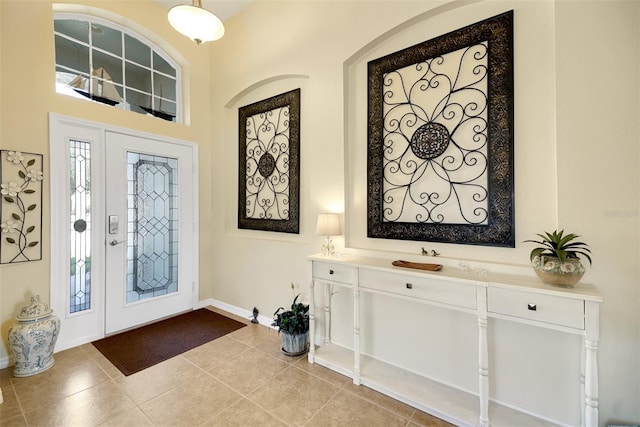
column 269, row 160
column 440, row 138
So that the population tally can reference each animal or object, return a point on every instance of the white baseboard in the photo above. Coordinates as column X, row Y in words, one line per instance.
column 5, row 362
column 76, row 342
column 263, row 320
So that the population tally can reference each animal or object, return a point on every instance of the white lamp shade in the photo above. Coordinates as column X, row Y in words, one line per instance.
column 328, row 224
column 197, row 23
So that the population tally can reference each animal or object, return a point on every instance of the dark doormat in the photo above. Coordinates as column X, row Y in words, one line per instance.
column 137, row 349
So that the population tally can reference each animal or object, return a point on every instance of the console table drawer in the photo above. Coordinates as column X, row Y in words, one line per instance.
column 335, row 272
column 426, row 288
column 552, row 309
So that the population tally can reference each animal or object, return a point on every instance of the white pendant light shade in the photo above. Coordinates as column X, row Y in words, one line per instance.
column 197, row 23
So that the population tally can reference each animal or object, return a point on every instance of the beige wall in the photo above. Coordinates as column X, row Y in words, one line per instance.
column 28, row 96
column 576, row 145
column 598, row 135
column 576, row 163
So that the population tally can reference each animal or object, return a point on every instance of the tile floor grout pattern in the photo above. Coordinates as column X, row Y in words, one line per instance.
column 239, row 379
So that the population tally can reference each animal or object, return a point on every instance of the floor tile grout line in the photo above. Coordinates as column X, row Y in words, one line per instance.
column 68, row 396
column 217, row 414
column 261, row 343
column 267, row 410
column 242, row 395
column 317, row 376
column 346, row 384
column 343, row 386
column 21, row 404
column 253, row 389
column 293, row 365
column 123, row 389
column 226, row 360
column 201, row 369
column 145, row 415
column 109, row 416
column 382, row 406
column 260, row 340
column 323, row 406
column 15, row 395
column 234, row 357
column 251, row 345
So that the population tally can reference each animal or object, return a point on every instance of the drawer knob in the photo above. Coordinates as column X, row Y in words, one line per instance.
column 532, row 307
column 409, row 286
column 330, row 271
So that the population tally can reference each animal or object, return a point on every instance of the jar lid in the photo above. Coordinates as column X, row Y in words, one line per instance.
column 36, row 310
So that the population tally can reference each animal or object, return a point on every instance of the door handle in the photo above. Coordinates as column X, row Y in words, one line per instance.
column 115, row 242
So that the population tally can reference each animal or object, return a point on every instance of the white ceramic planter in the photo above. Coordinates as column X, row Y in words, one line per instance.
column 294, row 345
column 33, row 338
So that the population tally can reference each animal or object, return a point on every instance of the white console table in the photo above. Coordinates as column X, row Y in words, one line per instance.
column 514, row 298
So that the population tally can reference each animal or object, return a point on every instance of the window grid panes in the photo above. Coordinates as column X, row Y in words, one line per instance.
column 80, row 221
column 109, row 64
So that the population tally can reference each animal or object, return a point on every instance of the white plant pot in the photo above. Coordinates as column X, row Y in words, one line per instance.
column 294, row 345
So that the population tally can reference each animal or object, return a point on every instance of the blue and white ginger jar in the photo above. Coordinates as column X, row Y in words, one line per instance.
column 33, row 339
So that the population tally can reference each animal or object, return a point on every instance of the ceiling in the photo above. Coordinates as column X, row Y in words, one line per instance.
column 223, row 9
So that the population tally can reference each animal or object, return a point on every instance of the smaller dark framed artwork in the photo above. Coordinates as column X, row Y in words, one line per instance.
column 21, row 176
column 269, row 164
column 440, row 138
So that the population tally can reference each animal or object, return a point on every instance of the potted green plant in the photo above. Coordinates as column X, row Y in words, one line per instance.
column 557, row 260
column 293, row 327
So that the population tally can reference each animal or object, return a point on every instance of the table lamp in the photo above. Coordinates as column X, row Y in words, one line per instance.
column 328, row 225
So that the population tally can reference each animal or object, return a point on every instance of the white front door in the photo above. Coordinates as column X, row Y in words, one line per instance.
column 150, row 223
column 123, row 229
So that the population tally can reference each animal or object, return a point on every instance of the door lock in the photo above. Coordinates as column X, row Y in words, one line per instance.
column 113, row 224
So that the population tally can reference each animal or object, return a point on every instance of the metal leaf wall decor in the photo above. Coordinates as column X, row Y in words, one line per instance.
column 21, row 206
column 269, row 172
column 440, row 138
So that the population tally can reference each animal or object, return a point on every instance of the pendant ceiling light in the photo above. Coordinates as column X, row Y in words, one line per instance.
column 197, row 23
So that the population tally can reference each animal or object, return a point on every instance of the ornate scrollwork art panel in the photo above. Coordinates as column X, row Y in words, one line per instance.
column 269, row 164
column 440, row 149
column 21, row 206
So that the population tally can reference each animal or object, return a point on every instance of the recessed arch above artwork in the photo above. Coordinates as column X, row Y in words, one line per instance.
column 261, row 84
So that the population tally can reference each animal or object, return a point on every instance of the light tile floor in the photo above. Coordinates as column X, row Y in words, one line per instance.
column 241, row 379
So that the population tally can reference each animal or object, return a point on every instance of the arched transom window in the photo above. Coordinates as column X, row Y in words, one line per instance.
column 103, row 62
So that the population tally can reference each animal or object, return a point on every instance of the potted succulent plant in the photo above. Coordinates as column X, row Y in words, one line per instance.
column 293, row 327
column 557, row 260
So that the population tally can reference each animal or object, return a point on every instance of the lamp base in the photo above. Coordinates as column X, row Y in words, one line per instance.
column 327, row 247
